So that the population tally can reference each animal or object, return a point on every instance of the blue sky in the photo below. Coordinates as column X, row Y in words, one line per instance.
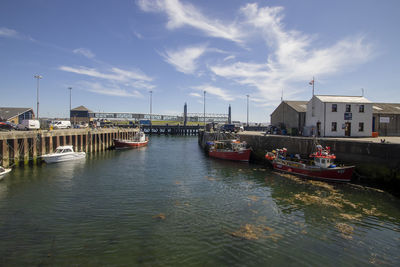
column 112, row 53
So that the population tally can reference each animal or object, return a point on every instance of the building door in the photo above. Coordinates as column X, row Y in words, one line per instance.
column 373, row 124
column 347, row 131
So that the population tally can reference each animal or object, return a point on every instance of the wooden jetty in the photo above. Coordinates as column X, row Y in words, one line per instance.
column 17, row 147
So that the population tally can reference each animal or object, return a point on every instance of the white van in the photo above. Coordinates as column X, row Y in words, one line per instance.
column 29, row 125
column 61, row 124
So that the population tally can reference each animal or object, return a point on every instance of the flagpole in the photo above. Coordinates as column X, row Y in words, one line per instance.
column 313, row 82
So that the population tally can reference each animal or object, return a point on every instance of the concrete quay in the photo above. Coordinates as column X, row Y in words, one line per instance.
column 375, row 161
column 17, row 147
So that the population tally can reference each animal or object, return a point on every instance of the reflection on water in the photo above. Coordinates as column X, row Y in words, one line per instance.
column 169, row 204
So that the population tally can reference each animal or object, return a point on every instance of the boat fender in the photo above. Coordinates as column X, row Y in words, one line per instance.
column 332, row 166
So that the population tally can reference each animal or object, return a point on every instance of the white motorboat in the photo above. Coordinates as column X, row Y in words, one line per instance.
column 63, row 153
column 3, row 171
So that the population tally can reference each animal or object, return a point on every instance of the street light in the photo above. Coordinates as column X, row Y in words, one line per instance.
column 70, row 98
column 248, row 110
column 38, row 77
column 151, row 104
column 204, row 102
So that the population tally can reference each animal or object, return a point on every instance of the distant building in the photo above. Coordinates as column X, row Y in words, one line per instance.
column 290, row 115
column 339, row 116
column 16, row 115
column 80, row 115
column 386, row 119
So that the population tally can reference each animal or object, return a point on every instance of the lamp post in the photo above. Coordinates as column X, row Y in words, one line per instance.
column 70, row 100
column 151, row 109
column 38, row 77
column 248, row 110
column 204, row 102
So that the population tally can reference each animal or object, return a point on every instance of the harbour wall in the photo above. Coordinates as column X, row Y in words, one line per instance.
column 375, row 162
column 22, row 147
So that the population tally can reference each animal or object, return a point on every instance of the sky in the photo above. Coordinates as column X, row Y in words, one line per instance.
column 113, row 53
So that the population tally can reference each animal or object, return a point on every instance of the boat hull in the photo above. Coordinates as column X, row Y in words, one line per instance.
column 129, row 144
column 54, row 158
column 242, row 155
column 4, row 173
column 341, row 174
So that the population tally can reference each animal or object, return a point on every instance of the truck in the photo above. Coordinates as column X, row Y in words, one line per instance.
column 29, row 125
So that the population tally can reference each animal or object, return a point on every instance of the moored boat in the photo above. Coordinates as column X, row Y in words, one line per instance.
column 63, row 153
column 4, row 171
column 229, row 150
column 320, row 166
column 138, row 140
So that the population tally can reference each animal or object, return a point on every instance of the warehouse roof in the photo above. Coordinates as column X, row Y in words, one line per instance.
column 342, row 99
column 299, row 106
column 7, row 113
column 81, row 108
column 386, row 108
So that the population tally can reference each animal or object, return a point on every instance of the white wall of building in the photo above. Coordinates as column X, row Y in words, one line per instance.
column 319, row 109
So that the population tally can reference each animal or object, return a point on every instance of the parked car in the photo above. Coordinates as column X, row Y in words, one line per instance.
column 62, row 125
column 271, row 129
column 228, row 128
column 7, row 126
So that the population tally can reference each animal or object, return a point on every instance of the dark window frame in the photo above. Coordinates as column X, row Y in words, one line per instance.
column 361, row 109
column 361, row 127
column 348, row 107
column 334, row 107
column 334, row 126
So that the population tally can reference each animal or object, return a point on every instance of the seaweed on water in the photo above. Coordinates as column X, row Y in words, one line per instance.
column 160, row 216
column 345, row 230
column 253, row 232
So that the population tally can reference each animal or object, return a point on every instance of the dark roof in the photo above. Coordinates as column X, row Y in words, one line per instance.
column 81, row 108
column 299, row 106
column 386, row 108
column 7, row 113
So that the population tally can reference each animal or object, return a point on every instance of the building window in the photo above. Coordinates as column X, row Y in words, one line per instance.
column 361, row 109
column 334, row 126
column 361, row 127
column 334, row 107
column 348, row 108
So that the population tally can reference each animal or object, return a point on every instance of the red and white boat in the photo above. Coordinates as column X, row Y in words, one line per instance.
column 229, row 150
column 321, row 165
column 138, row 140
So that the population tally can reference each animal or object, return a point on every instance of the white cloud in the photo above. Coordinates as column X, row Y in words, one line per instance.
column 221, row 93
column 5, row 32
column 293, row 59
column 195, row 94
column 118, row 82
column 10, row 33
column 184, row 60
column 109, row 89
column 180, row 15
column 84, row 52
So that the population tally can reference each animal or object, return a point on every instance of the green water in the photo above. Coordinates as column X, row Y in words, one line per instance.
column 170, row 205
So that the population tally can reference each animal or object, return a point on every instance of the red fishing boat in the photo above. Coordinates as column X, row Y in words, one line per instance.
column 138, row 140
column 229, row 150
column 320, row 165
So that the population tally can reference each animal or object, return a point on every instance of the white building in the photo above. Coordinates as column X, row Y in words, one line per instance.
column 339, row 116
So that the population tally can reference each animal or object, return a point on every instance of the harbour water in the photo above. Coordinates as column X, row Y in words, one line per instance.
column 169, row 204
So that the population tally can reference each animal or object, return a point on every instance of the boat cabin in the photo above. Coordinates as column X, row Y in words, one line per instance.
column 323, row 162
column 64, row 149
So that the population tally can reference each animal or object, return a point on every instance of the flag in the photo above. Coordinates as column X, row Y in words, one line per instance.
column 311, row 82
